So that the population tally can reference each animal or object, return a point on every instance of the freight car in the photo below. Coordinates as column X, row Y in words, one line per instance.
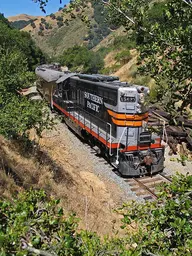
column 109, row 114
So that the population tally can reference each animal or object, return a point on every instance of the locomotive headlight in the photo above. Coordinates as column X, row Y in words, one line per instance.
column 141, row 98
column 138, row 108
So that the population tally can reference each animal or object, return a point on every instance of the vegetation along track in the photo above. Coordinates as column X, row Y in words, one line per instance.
column 146, row 187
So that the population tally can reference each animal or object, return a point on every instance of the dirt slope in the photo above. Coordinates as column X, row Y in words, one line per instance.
column 124, row 73
column 64, row 170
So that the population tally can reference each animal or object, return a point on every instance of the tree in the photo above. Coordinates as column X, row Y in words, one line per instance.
column 47, row 25
column 164, row 39
column 81, row 59
column 59, row 18
column 41, row 27
column 18, row 115
column 60, row 23
column 18, row 56
column 52, row 16
column 11, row 38
column 4, row 20
column 33, row 25
column 43, row 21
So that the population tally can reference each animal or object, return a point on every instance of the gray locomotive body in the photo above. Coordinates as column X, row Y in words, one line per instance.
column 112, row 116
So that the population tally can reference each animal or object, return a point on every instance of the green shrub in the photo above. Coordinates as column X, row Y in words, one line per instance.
column 164, row 226
column 60, row 24
column 124, row 42
column 110, row 70
column 123, row 57
column 34, row 224
column 59, row 18
column 103, row 51
column 52, row 16
column 81, row 59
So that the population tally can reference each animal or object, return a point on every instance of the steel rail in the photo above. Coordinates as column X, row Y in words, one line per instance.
column 146, row 188
column 165, row 177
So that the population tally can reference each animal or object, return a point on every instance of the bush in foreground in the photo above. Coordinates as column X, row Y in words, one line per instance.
column 33, row 223
column 164, row 226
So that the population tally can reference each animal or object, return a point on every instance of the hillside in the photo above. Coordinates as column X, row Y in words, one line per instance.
column 53, row 38
column 22, row 20
column 20, row 17
column 120, row 58
column 61, row 30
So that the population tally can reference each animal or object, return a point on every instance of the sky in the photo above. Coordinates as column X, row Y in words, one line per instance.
column 14, row 7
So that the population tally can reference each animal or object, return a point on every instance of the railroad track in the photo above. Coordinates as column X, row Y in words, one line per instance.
column 145, row 187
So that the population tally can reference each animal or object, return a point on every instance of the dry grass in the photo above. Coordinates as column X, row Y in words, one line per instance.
column 29, row 170
column 8, row 186
column 108, row 41
column 23, row 17
column 56, row 168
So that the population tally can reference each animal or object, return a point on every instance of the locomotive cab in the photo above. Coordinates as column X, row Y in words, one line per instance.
column 142, row 152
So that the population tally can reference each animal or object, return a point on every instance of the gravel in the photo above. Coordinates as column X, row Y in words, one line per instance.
column 101, row 168
column 173, row 164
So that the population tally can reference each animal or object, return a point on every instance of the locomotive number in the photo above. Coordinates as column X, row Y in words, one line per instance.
column 125, row 98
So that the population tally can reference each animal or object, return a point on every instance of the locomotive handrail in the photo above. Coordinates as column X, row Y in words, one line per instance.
column 117, row 159
column 98, row 128
column 90, row 124
column 110, row 142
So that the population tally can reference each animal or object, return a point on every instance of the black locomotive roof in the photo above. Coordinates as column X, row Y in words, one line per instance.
column 49, row 74
column 111, row 82
column 98, row 77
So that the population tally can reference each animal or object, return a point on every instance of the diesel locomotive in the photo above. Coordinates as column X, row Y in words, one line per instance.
column 110, row 114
